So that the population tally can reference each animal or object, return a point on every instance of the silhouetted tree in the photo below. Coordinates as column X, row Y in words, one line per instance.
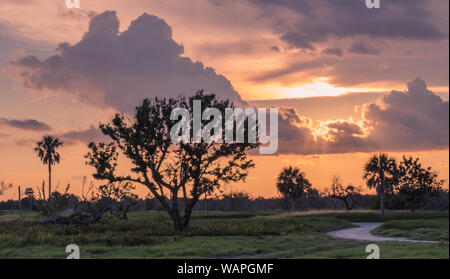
column 186, row 169
column 237, row 200
column 292, row 184
column 119, row 196
column 29, row 192
column 19, row 194
column 4, row 187
column 46, row 151
column 347, row 194
column 416, row 183
column 381, row 173
column 54, row 205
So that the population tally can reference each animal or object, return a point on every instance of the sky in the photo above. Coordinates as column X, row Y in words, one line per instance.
column 348, row 81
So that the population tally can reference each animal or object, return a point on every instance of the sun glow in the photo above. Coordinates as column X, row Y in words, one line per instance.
column 320, row 87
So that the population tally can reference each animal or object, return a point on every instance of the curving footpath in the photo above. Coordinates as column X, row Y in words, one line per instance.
column 363, row 233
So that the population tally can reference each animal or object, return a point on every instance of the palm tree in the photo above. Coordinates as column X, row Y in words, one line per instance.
column 381, row 173
column 292, row 184
column 46, row 151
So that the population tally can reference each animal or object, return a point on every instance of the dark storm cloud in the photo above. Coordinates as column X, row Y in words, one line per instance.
column 370, row 69
column 319, row 63
column 84, row 136
column 363, row 48
column 298, row 40
column 275, row 48
column 318, row 20
column 26, row 124
column 108, row 68
column 333, row 51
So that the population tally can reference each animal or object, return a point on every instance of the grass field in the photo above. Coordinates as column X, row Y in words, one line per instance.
column 225, row 235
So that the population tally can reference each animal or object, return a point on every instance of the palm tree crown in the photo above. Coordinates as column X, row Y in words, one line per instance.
column 46, row 150
column 292, row 182
column 380, row 173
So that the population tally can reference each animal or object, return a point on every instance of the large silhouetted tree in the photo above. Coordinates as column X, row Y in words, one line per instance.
column 416, row 183
column 381, row 173
column 46, row 150
column 292, row 184
column 170, row 170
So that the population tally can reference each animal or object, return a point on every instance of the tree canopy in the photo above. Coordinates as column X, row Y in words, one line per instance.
column 292, row 184
column 169, row 169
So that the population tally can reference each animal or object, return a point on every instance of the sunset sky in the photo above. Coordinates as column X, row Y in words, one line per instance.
column 348, row 81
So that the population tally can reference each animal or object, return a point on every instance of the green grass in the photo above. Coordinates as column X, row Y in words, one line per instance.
column 388, row 250
column 421, row 229
column 217, row 235
column 374, row 216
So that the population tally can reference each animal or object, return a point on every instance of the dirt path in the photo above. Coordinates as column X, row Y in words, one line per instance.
column 363, row 233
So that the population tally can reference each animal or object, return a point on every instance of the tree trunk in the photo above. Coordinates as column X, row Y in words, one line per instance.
column 347, row 205
column 187, row 216
column 20, row 204
column 174, row 213
column 176, row 218
column 382, row 202
column 293, row 205
column 49, row 181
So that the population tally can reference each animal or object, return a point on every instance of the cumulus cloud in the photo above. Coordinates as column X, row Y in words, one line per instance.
column 331, row 138
column 26, row 124
column 118, row 69
column 345, row 127
column 325, row 108
column 414, row 120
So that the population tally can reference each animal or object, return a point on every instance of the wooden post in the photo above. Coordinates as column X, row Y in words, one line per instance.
column 20, row 203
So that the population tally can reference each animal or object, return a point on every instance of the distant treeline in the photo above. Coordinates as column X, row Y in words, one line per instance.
column 240, row 201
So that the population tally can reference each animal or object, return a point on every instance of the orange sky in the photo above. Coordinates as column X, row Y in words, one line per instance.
column 245, row 45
